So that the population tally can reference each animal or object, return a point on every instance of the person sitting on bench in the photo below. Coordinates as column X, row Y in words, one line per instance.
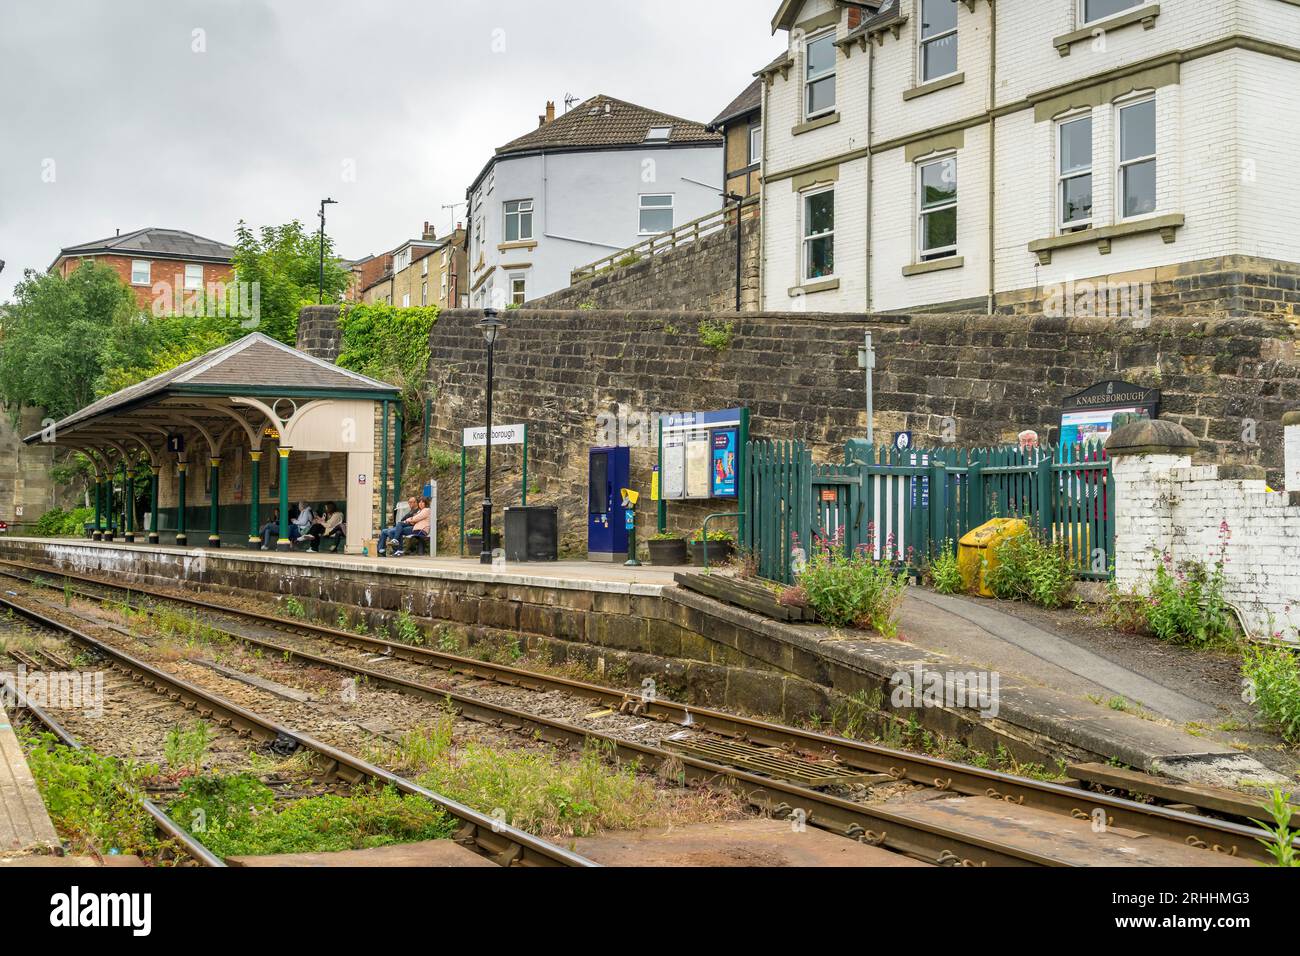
column 333, row 531
column 401, row 527
column 270, row 531
column 417, row 526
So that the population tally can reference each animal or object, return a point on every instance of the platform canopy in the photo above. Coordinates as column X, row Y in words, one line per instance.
column 230, row 402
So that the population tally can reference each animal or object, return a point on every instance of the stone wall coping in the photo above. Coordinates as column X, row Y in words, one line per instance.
column 1152, row 436
column 1290, row 418
column 395, row 569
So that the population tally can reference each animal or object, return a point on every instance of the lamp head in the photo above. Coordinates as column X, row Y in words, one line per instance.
column 491, row 325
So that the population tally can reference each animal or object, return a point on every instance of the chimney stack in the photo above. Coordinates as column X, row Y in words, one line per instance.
column 429, row 231
column 550, row 111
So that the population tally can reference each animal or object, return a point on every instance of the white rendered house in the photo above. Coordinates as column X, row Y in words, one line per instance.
column 602, row 177
column 979, row 154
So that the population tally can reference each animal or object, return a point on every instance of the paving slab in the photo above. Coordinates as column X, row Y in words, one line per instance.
column 24, row 823
column 437, row 853
column 757, row 843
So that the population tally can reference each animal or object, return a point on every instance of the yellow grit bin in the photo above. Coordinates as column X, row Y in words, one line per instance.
column 976, row 555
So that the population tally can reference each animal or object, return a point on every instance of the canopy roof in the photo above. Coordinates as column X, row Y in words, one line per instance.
column 256, row 366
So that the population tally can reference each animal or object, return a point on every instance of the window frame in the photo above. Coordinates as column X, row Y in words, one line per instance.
column 424, row 293
column 642, row 208
column 518, row 289
column 923, row 41
column 1081, row 12
column 831, row 74
column 666, row 134
column 1063, row 227
column 518, row 214
column 942, row 252
column 806, row 238
column 756, row 154
column 199, row 286
column 406, row 300
column 148, row 271
column 1122, row 164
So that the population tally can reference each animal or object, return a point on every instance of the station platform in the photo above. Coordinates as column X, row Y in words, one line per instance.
column 25, row 827
column 1060, row 689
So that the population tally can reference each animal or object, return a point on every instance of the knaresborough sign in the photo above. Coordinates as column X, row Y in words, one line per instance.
column 1117, row 395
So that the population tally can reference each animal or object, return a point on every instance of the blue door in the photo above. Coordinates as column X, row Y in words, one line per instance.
column 609, row 470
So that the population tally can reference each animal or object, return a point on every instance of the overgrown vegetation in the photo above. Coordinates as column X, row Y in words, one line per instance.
column 237, row 816
column 1182, row 604
column 1282, row 844
column 93, row 801
column 717, row 335
column 1028, row 568
column 1273, row 685
column 57, row 523
column 539, row 791
column 945, row 574
column 853, row 590
column 390, row 344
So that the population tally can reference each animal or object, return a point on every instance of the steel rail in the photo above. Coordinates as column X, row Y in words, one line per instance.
column 164, row 823
column 505, row 844
column 931, row 842
column 1220, row 835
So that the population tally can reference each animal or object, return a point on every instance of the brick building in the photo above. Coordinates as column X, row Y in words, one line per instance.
column 421, row 272
column 741, row 124
column 151, row 260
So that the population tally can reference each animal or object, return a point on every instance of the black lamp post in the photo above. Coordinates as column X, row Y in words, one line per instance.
column 492, row 327
column 739, row 200
column 320, row 281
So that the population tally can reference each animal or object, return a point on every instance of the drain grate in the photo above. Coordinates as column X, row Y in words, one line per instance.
column 769, row 762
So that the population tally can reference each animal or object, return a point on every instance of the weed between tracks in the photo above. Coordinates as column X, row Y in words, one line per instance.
column 544, row 792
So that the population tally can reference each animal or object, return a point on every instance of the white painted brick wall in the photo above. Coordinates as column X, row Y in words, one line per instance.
column 1164, row 506
column 1227, row 137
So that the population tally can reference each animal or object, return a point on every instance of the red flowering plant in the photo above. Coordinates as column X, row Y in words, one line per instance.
column 854, row 589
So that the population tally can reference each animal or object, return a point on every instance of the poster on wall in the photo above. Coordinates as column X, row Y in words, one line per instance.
column 697, row 464
column 724, row 463
column 674, row 466
column 1088, row 418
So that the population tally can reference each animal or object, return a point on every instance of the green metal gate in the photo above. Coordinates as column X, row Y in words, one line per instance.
column 905, row 506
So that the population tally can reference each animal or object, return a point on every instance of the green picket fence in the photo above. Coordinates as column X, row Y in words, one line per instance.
column 905, row 506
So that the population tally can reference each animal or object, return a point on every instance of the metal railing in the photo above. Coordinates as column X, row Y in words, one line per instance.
column 685, row 234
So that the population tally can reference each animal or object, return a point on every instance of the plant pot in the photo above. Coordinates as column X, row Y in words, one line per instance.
column 667, row 550
column 720, row 552
column 474, row 543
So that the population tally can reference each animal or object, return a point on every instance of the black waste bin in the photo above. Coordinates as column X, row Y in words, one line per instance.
column 532, row 534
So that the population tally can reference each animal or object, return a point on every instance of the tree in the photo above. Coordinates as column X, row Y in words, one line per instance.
column 285, row 262
column 53, row 334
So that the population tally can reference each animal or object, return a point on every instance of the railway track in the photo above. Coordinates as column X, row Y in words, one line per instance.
column 505, row 845
column 775, row 767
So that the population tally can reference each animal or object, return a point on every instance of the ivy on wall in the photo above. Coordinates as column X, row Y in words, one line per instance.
column 390, row 344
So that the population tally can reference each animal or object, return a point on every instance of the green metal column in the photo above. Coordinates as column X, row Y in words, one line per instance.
column 98, row 533
column 284, row 544
column 383, row 469
column 255, row 519
column 214, row 532
column 397, row 458
column 523, row 491
column 181, row 538
column 153, row 504
column 128, row 501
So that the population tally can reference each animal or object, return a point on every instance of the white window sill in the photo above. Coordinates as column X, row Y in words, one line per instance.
column 813, row 286
column 934, row 265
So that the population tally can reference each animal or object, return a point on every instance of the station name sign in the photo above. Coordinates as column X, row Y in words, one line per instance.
column 501, row 435
column 1106, row 395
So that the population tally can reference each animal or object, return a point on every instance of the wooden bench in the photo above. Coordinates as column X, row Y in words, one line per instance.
column 415, row 544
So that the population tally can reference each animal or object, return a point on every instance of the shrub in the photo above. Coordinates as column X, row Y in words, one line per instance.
column 1273, row 686
column 1185, row 605
column 853, row 590
column 717, row 335
column 716, row 534
column 1030, row 569
column 945, row 574
column 57, row 523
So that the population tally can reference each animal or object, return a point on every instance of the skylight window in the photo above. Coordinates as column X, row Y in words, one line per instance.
column 658, row 134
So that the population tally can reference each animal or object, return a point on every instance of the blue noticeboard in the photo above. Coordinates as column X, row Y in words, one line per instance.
column 723, row 462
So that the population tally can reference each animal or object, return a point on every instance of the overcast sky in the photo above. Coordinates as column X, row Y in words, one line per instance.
column 193, row 114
